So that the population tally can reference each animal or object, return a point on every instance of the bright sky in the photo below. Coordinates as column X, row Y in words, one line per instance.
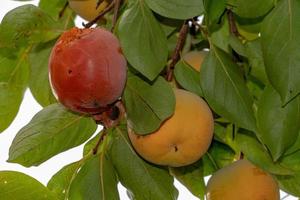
column 28, row 109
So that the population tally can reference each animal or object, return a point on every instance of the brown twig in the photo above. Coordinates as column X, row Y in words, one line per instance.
column 176, row 54
column 102, row 136
column 109, row 119
column 232, row 25
column 106, row 10
column 62, row 12
column 116, row 11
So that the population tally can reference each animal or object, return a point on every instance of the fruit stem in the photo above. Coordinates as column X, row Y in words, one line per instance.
column 106, row 10
column 241, row 156
column 116, row 11
column 176, row 54
column 111, row 116
column 62, row 12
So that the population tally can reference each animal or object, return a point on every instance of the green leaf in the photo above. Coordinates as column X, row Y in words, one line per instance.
column 217, row 157
column 250, row 9
column 237, row 45
column 220, row 37
column 280, row 45
column 96, row 180
column 225, row 133
column 256, row 61
column 188, row 77
column 54, row 8
column 143, row 180
column 225, row 90
column 192, row 178
column 19, row 186
column 14, row 75
column 148, row 105
column 143, row 40
column 278, row 126
column 176, row 9
column 51, row 131
column 291, row 161
column 290, row 184
column 257, row 154
column 39, row 77
column 91, row 143
column 214, row 10
column 60, row 182
column 295, row 147
column 26, row 25
column 72, row 180
column 248, row 26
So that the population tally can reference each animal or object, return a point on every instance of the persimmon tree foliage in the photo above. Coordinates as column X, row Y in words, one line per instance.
column 239, row 58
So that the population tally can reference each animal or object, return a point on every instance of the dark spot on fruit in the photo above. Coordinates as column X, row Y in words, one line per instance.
column 176, row 148
column 70, row 71
column 120, row 50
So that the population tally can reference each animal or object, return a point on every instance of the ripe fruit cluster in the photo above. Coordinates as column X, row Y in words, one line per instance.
column 88, row 73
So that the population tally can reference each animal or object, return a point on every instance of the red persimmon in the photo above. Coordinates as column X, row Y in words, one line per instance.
column 87, row 69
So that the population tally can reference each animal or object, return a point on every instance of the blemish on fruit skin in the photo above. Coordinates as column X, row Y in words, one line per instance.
column 70, row 36
column 120, row 50
column 176, row 148
column 5, row 182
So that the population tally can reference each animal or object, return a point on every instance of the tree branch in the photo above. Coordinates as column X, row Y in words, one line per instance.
column 232, row 25
column 116, row 11
column 176, row 54
column 62, row 12
column 106, row 10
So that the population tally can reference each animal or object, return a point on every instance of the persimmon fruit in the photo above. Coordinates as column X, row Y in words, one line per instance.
column 242, row 180
column 87, row 69
column 183, row 138
column 195, row 58
column 88, row 9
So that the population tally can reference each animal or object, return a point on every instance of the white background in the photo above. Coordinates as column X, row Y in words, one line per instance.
column 28, row 109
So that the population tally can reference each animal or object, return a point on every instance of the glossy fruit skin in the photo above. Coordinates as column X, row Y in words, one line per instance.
column 183, row 138
column 242, row 181
column 87, row 70
column 88, row 9
column 195, row 58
